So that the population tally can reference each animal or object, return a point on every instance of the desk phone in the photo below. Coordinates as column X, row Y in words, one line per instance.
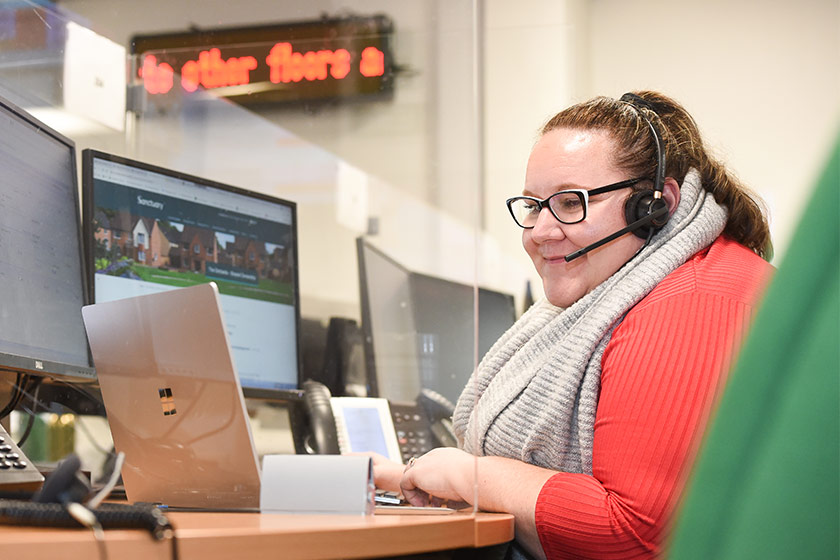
column 413, row 428
column 398, row 431
column 17, row 473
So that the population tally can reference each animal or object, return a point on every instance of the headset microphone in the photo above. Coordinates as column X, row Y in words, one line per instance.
column 656, row 214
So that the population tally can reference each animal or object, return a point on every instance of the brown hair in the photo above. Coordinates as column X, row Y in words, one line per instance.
column 684, row 149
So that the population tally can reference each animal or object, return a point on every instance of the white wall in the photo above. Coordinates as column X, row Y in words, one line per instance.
column 762, row 79
column 533, row 63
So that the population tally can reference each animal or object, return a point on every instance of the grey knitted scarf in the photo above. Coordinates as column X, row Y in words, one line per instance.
column 534, row 395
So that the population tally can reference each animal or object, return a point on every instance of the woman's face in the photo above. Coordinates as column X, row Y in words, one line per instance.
column 576, row 159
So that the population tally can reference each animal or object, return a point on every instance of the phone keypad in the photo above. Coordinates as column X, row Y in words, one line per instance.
column 16, row 472
column 413, row 433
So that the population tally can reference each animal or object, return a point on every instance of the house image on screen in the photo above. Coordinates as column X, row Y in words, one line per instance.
column 278, row 265
column 187, row 248
column 246, row 253
column 122, row 234
column 151, row 244
column 196, row 247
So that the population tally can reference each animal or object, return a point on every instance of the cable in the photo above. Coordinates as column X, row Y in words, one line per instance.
column 29, row 424
column 109, row 515
column 80, row 423
column 31, row 413
column 647, row 242
column 15, row 397
column 86, row 517
column 23, row 385
column 78, row 416
column 103, row 493
column 106, row 516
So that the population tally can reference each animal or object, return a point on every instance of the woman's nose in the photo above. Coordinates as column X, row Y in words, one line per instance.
column 546, row 227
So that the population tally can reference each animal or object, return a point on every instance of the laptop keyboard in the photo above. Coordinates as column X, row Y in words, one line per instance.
column 391, row 502
column 387, row 498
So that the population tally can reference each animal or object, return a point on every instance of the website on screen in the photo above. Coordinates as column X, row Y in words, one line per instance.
column 155, row 232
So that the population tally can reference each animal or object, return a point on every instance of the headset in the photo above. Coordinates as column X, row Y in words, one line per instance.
column 645, row 211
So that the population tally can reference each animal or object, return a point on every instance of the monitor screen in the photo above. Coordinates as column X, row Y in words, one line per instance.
column 42, row 283
column 389, row 335
column 444, row 316
column 149, row 229
column 419, row 330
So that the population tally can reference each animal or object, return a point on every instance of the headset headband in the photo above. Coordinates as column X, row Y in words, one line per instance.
column 637, row 102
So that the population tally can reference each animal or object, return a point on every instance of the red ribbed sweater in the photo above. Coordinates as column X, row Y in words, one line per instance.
column 661, row 373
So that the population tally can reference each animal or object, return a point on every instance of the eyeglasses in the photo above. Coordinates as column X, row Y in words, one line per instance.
column 568, row 207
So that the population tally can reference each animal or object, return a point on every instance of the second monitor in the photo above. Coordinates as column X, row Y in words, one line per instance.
column 420, row 331
column 149, row 229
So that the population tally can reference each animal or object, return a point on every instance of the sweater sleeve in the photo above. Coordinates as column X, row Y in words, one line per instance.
column 662, row 371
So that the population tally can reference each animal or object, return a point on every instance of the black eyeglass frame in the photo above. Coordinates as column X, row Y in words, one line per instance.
column 583, row 194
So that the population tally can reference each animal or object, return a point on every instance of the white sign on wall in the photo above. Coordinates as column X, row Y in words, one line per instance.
column 94, row 77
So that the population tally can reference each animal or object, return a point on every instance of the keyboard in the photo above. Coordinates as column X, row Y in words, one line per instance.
column 387, row 498
column 388, row 502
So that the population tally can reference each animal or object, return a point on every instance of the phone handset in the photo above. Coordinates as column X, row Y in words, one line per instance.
column 439, row 409
column 322, row 437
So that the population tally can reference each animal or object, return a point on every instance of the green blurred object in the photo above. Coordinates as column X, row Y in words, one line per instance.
column 767, row 481
column 36, row 445
column 52, row 438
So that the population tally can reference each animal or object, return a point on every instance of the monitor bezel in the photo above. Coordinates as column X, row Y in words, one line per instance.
column 35, row 366
column 88, row 212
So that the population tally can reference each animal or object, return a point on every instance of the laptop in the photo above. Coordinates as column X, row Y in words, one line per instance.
column 173, row 399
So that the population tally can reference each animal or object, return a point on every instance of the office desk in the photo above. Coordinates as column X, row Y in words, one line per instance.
column 208, row 536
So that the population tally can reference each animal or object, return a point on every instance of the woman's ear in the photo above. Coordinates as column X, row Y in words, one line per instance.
column 671, row 194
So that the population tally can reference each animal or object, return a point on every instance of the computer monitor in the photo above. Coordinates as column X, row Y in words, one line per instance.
column 389, row 335
column 419, row 329
column 445, row 320
column 149, row 229
column 42, row 281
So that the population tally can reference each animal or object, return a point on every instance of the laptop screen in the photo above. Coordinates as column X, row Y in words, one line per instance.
column 150, row 229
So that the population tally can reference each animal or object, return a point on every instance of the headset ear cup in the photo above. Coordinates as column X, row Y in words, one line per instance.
column 641, row 204
column 659, row 203
column 636, row 208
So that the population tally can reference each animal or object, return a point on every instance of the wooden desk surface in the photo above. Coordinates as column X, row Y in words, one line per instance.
column 254, row 536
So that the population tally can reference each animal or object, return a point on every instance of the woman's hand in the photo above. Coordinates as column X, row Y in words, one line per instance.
column 443, row 475
column 386, row 473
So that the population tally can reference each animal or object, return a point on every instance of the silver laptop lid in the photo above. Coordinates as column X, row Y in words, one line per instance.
column 173, row 399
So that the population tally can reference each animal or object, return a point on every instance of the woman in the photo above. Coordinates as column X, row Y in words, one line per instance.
column 586, row 415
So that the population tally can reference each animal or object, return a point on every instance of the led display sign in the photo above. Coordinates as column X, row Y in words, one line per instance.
column 321, row 60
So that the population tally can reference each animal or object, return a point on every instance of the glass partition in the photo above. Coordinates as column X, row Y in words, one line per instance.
column 408, row 265
column 395, row 169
